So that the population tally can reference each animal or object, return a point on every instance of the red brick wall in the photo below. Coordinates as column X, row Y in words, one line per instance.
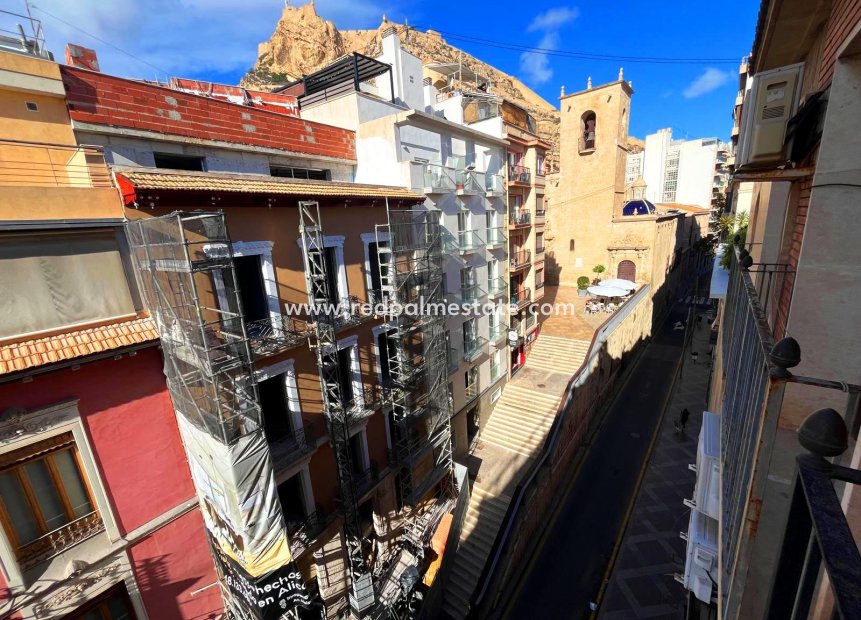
column 107, row 100
column 845, row 15
column 785, row 300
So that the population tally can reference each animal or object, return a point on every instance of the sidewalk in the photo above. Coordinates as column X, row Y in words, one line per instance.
column 642, row 583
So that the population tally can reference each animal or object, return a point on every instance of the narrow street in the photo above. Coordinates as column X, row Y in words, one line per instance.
column 567, row 571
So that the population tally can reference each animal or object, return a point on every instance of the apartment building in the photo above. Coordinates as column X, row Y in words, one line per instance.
column 525, row 175
column 402, row 139
column 242, row 212
column 785, row 383
column 99, row 516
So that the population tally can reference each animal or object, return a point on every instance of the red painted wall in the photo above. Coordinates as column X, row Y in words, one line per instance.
column 130, row 421
column 170, row 565
column 107, row 100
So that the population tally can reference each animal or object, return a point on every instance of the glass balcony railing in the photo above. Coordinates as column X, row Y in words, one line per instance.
column 474, row 347
column 472, row 294
column 472, row 391
column 438, row 178
column 468, row 241
column 470, row 181
column 497, row 287
column 495, row 236
column 519, row 174
column 521, row 259
column 519, row 218
column 498, row 332
column 494, row 184
column 521, row 297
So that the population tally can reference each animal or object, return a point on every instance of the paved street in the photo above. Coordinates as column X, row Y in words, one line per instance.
column 568, row 570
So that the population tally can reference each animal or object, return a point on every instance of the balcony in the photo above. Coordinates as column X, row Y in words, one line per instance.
column 474, row 348
column 472, row 294
column 351, row 315
column 497, row 287
column 495, row 237
column 498, row 333
column 470, row 182
column 274, row 335
column 468, row 241
column 302, row 533
column 288, row 449
column 359, row 409
column 520, row 260
column 55, row 542
column 366, row 480
column 519, row 218
column 494, row 185
column 587, row 142
column 540, row 217
column 472, row 392
column 520, row 299
column 519, row 175
column 438, row 179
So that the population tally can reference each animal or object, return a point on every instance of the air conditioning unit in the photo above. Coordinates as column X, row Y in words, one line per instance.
column 704, row 558
column 769, row 104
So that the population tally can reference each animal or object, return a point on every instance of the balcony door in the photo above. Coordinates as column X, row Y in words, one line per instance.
column 252, row 290
column 277, row 421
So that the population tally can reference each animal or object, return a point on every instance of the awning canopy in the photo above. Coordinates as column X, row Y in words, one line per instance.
column 133, row 182
column 619, row 283
column 607, row 291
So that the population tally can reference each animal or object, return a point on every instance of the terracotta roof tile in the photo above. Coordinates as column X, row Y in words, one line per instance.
column 60, row 347
column 151, row 179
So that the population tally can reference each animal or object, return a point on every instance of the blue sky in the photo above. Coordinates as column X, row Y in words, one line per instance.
column 217, row 40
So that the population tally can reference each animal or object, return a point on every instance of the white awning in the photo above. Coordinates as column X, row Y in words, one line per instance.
column 720, row 276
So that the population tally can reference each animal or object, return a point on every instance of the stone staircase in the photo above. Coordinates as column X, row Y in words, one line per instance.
column 483, row 517
column 519, row 423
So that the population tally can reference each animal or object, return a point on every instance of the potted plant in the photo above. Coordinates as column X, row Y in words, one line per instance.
column 582, row 285
column 598, row 270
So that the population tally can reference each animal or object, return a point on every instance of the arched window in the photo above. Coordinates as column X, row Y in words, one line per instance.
column 627, row 270
column 589, row 121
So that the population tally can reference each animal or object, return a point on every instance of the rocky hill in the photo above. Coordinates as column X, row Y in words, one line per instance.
column 304, row 42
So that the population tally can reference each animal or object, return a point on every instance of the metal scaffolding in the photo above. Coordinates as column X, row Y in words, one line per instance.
column 184, row 265
column 324, row 343
column 410, row 247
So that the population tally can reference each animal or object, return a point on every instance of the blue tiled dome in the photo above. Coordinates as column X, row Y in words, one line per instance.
column 638, row 207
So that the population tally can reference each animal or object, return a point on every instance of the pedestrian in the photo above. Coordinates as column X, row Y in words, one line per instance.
column 683, row 418
column 694, row 355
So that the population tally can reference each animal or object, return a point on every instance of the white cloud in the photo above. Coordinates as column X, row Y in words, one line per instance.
column 188, row 38
column 710, row 80
column 535, row 66
column 553, row 19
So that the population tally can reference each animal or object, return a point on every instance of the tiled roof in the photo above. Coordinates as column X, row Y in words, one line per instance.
column 19, row 356
column 152, row 179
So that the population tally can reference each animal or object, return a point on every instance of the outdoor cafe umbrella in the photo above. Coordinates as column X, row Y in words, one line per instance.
column 619, row 283
column 607, row 291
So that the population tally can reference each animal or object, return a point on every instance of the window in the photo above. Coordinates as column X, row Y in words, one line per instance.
column 289, row 172
column 112, row 605
column 45, row 501
column 539, row 164
column 174, row 161
column 496, row 369
column 32, row 106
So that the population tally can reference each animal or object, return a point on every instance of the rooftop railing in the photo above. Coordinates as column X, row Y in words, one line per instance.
column 22, row 34
column 34, row 164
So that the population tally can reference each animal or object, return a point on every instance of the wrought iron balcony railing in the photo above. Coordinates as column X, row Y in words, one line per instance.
column 521, row 297
column 519, row 174
column 474, row 347
column 302, row 532
column 276, row 334
column 521, row 259
column 519, row 217
column 55, row 542
column 287, row 449
column 367, row 479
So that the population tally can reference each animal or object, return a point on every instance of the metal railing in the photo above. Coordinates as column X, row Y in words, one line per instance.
column 14, row 36
column 470, row 181
column 521, row 297
column 497, row 287
column 303, row 532
column 34, row 164
column 474, row 347
column 494, row 183
column 289, row 448
column 519, row 174
column 472, row 392
column 471, row 294
column 495, row 236
column 498, row 332
column 520, row 259
column 438, row 178
column 55, row 542
column 468, row 240
column 276, row 334
column 519, row 218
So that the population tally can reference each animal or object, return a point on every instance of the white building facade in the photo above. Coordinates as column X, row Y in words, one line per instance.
column 682, row 171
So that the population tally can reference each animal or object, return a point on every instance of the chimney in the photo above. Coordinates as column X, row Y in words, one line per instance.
column 81, row 57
